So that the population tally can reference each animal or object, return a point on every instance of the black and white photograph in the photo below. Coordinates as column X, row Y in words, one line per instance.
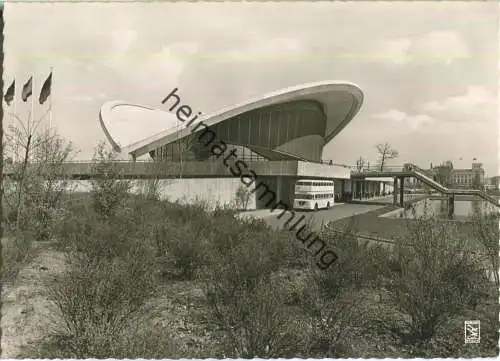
column 196, row 179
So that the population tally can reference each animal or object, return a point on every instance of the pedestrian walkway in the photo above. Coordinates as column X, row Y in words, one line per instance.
column 375, row 199
column 337, row 212
column 387, row 199
column 257, row 213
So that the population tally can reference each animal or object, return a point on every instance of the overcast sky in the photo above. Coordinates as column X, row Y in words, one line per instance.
column 428, row 70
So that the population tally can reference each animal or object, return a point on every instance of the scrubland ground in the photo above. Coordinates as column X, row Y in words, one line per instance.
column 166, row 280
column 108, row 274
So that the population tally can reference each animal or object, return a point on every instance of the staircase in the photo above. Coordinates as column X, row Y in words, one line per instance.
column 417, row 173
column 429, row 181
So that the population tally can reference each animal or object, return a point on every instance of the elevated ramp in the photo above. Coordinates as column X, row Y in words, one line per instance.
column 429, row 181
column 414, row 171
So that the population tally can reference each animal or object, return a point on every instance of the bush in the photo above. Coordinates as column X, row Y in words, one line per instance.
column 486, row 233
column 98, row 299
column 77, row 223
column 243, row 195
column 108, row 191
column 434, row 280
column 334, row 299
column 181, row 247
column 184, row 213
column 360, row 262
column 255, row 322
column 17, row 251
column 246, row 302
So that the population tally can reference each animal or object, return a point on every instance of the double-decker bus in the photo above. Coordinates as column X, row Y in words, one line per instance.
column 313, row 194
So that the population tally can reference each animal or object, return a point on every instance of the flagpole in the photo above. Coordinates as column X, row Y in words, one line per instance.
column 33, row 103
column 50, row 100
column 16, row 146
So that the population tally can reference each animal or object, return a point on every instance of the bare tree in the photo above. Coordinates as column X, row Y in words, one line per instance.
column 47, row 181
column 360, row 164
column 37, row 174
column 385, row 153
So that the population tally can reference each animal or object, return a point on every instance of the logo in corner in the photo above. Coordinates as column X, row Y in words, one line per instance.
column 472, row 331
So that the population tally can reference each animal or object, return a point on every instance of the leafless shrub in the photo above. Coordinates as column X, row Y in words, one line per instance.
column 33, row 193
column 17, row 251
column 98, row 299
column 434, row 280
column 254, row 321
column 247, row 303
column 243, row 195
column 334, row 299
column 182, row 249
column 150, row 187
column 109, row 190
column 486, row 232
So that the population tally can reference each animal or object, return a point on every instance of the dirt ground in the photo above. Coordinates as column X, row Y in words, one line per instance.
column 25, row 309
column 27, row 316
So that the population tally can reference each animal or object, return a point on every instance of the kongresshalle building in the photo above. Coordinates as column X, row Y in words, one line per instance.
column 278, row 138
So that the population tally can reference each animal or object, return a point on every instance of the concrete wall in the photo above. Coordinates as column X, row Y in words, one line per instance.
column 305, row 169
column 212, row 191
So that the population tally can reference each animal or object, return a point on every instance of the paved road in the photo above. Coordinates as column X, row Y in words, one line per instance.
column 338, row 211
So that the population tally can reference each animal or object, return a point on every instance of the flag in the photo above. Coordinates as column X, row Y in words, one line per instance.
column 27, row 89
column 474, row 159
column 9, row 94
column 46, row 89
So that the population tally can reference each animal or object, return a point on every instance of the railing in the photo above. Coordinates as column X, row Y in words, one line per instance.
column 421, row 175
column 376, row 169
column 330, row 162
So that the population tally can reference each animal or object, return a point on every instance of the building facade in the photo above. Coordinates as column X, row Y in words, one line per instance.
column 284, row 131
column 468, row 178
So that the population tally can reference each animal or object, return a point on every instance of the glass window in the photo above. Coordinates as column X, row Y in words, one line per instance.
column 245, row 129
column 274, row 130
column 233, row 130
column 221, row 131
column 265, row 125
column 303, row 196
column 254, row 128
column 282, row 126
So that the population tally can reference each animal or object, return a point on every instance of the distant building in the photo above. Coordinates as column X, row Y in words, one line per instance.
column 469, row 178
column 492, row 183
column 457, row 178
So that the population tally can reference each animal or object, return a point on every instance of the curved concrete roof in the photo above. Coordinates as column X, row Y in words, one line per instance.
column 141, row 129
